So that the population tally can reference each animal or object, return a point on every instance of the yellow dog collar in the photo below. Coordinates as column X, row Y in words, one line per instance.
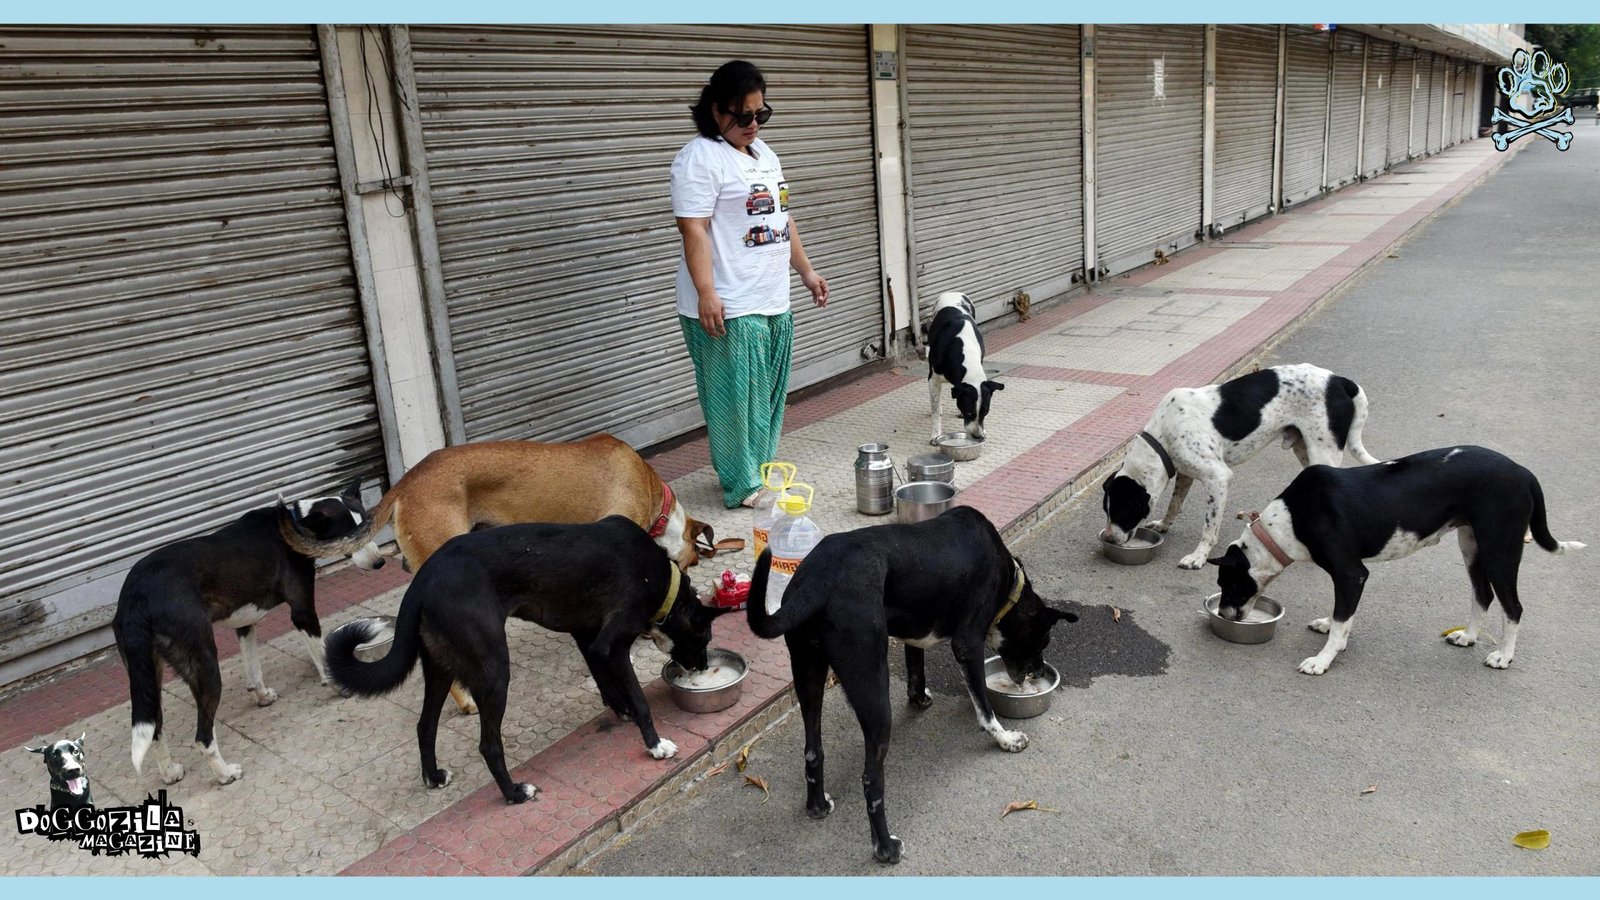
column 1016, row 594
column 672, row 596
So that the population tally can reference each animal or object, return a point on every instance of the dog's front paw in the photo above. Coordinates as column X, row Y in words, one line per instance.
column 890, row 852
column 1011, row 741
column 522, row 793
column 1158, row 526
column 438, row 778
column 171, row 773
column 922, row 700
column 1499, row 659
column 821, row 812
column 664, row 749
column 1193, row 561
column 230, row 773
column 265, row 696
column 1462, row 639
column 1313, row 665
column 1320, row 626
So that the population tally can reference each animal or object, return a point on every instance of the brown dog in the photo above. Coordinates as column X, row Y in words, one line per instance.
column 458, row 489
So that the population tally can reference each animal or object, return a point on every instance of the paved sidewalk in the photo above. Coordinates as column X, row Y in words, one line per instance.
column 331, row 785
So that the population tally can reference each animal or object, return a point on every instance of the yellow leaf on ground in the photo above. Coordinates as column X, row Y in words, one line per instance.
column 1369, row 789
column 759, row 782
column 1019, row 805
column 744, row 756
column 1538, row 839
column 1449, row 631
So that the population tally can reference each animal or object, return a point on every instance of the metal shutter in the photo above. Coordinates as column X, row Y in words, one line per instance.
column 1149, row 114
column 980, row 217
column 1305, row 112
column 180, row 336
column 549, row 151
column 1421, row 103
column 1344, row 136
column 1400, row 100
column 1246, row 118
column 1458, row 121
column 1380, row 87
column 1436, row 100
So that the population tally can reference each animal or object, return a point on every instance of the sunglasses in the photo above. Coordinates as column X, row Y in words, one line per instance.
column 760, row 116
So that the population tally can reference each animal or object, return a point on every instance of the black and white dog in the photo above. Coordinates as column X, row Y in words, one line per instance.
column 955, row 358
column 1342, row 519
column 1200, row 434
column 232, row 577
column 69, row 781
column 604, row 583
column 950, row 578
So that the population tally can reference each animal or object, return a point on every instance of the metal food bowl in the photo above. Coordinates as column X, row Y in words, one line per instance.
column 708, row 699
column 1140, row 548
column 1018, row 706
column 374, row 650
column 921, row 500
column 1257, row 626
column 959, row 446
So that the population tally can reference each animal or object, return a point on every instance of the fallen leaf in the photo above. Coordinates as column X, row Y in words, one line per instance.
column 1394, row 256
column 1018, row 805
column 759, row 782
column 1369, row 789
column 1538, row 839
column 898, row 370
column 1116, row 614
column 1440, row 416
column 1449, row 631
column 719, row 769
column 744, row 756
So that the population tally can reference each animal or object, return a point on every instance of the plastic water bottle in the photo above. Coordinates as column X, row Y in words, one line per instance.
column 792, row 538
column 776, row 477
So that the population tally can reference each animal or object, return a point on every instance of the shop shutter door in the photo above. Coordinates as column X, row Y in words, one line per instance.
column 1305, row 113
column 1247, row 109
column 1149, row 99
column 1436, row 100
column 1344, row 139
column 1400, row 100
column 1458, row 122
column 990, row 221
column 1421, row 103
column 549, row 150
column 1380, row 87
column 180, row 337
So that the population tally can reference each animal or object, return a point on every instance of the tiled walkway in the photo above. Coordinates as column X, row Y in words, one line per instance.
column 331, row 784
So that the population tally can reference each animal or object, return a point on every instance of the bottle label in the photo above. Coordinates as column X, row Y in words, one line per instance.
column 784, row 565
column 760, row 541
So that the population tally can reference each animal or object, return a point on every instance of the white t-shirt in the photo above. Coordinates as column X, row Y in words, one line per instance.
column 747, row 201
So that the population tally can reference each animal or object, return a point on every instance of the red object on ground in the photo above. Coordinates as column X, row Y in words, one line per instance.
column 732, row 591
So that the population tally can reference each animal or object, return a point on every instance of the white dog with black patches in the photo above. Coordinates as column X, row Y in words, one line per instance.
column 1200, row 434
column 955, row 358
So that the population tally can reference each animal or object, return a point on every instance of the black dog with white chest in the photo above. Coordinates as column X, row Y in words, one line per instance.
column 604, row 583
column 955, row 357
column 1342, row 519
column 69, row 782
column 948, row 579
column 231, row 577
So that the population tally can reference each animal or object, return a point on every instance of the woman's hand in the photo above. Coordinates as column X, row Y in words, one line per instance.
column 817, row 285
column 711, row 314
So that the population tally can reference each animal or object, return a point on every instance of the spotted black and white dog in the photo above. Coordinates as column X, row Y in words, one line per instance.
column 1342, row 519
column 1200, row 434
column 955, row 358
column 69, row 780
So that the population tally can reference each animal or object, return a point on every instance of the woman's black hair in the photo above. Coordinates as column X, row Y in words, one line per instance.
column 730, row 83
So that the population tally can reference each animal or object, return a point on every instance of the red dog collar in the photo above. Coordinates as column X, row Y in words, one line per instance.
column 660, row 527
column 1260, row 531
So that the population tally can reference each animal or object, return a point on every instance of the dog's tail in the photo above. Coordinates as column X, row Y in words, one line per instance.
column 136, row 645
column 1541, row 528
column 1358, row 419
column 357, row 543
column 373, row 679
column 796, row 608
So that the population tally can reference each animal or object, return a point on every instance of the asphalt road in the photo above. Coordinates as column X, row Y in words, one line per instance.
column 1170, row 752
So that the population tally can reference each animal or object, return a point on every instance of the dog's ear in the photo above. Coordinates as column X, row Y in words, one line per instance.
column 37, row 749
column 1061, row 615
column 1216, row 560
column 993, row 386
column 352, row 494
column 79, row 741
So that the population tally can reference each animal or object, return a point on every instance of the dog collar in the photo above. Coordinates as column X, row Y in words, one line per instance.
column 1260, row 531
column 1166, row 461
column 660, row 527
column 672, row 595
column 1016, row 594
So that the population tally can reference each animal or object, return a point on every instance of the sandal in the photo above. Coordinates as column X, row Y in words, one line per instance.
column 750, row 501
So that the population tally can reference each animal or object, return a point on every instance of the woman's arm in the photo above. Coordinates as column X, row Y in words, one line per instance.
column 696, row 234
column 816, row 284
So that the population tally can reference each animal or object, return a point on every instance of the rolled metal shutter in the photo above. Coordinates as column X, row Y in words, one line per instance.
column 1436, row 100
column 549, row 151
column 980, row 217
column 1380, row 88
column 1149, row 115
column 1246, row 119
column 1400, row 100
column 1458, row 122
column 1421, row 103
column 1305, row 112
column 180, row 336
column 1344, row 137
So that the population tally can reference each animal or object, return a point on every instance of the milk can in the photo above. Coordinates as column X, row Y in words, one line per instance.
column 931, row 467
column 874, row 479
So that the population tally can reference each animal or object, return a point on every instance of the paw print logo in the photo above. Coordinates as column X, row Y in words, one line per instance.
column 1532, row 84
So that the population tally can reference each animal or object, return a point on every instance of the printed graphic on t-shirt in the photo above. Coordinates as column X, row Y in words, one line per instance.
column 759, row 203
column 783, row 196
column 761, row 235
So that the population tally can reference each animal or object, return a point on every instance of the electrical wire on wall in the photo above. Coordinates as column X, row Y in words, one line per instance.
column 375, row 109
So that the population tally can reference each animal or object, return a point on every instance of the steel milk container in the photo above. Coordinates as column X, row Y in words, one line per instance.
column 874, row 480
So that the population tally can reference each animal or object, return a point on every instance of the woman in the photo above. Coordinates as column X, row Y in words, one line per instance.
column 739, row 242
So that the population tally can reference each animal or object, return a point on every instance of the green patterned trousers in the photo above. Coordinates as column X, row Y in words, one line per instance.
column 742, row 378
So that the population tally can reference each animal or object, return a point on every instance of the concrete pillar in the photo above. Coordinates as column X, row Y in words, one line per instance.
column 888, row 114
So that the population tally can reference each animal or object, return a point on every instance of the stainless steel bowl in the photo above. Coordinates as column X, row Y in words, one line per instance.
column 1018, row 706
column 959, row 446
column 707, row 700
column 922, row 500
column 1257, row 626
column 1140, row 548
column 378, row 648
